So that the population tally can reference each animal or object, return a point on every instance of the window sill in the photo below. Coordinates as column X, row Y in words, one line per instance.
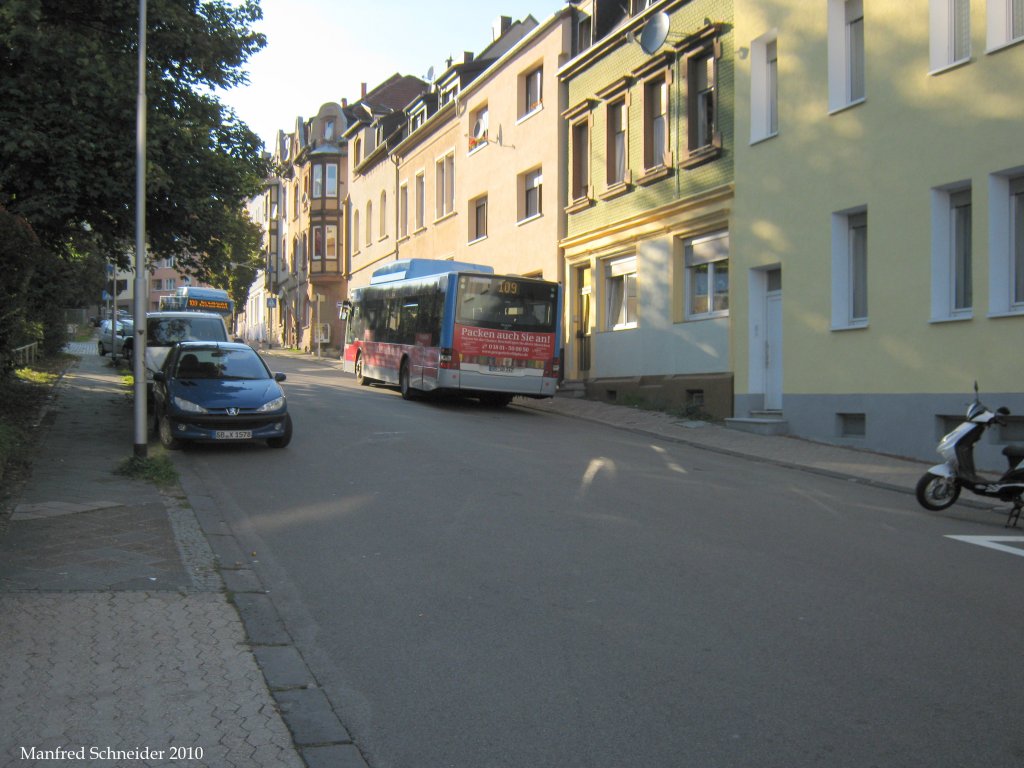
column 707, row 315
column 950, row 66
column 959, row 318
column 528, row 219
column 473, row 150
column 444, row 217
column 1007, row 313
column 652, row 175
column 579, row 205
column 859, row 325
column 1004, row 46
column 477, row 240
column 418, row 230
column 762, row 139
column 844, row 107
column 616, row 190
column 700, row 156
column 623, row 327
column 536, row 110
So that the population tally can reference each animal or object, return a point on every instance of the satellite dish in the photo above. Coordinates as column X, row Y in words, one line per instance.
column 430, row 75
column 654, row 33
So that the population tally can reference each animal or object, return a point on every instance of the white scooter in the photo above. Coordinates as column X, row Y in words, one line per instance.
column 940, row 487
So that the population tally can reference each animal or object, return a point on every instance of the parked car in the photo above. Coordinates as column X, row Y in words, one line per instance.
column 165, row 329
column 219, row 392
column 123, row 330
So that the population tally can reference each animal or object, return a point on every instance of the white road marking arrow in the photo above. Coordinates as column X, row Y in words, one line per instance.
column 993, row 542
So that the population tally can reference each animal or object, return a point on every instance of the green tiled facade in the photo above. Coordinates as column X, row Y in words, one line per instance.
column 625, row 58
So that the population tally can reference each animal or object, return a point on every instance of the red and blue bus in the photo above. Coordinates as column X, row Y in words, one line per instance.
column 445, row 326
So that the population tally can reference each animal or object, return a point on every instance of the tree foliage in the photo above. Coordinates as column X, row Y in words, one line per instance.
column 68, row 89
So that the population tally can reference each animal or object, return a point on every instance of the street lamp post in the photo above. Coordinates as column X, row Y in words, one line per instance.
column 141, row 274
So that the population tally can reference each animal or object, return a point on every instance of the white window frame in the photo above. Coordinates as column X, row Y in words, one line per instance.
column 1005, row 23
column 444, row 186
column 532, row 92
column 949, row 33
column 844, row 272
column 656, row 117
column 421, row 202
column 946, row 235
column 847, row 59
column 710, row 252
column 403, row 210
column 318, row 243
column 331, row 179
column 764, row 87
column 617, row 303
column 530, row 182
column 318, row 181
column 475, row 206
column 330, row 236
column 1006, row 243
column 383, row 215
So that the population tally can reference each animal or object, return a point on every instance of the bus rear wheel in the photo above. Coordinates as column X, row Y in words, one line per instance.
column 403, row 382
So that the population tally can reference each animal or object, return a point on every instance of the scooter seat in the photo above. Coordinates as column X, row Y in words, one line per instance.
column 1014, row 452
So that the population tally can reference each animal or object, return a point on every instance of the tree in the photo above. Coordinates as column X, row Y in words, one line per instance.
column 68, row 81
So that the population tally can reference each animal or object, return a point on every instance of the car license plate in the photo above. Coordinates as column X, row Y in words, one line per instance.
column 233, row 434
column 501, row 369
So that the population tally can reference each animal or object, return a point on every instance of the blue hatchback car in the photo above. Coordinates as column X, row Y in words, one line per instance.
column 219, row 392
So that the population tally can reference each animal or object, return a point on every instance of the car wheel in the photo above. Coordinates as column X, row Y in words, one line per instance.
column 102, row 350
column 282, row 442
column 167, row 438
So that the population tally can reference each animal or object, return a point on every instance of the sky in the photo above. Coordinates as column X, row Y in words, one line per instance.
column 322, row 50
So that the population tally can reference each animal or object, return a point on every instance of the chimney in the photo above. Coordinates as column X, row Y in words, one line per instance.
column 344, row 102
column 467, row 56
column 500, row 27
column 362, row 90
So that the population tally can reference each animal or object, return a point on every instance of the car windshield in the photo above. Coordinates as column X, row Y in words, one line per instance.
column 221, row 364
column 168, row 331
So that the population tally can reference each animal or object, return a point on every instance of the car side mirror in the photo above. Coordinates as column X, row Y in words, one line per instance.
column 159, row 376
column 279, row 377
column 238, row 340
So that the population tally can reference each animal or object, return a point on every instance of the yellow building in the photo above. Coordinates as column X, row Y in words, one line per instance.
column 878, row 231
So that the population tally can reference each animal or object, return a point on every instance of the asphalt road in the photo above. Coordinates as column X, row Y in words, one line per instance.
column 483, row 588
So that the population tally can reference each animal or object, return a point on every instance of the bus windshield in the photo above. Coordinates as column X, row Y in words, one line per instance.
column 507, row 303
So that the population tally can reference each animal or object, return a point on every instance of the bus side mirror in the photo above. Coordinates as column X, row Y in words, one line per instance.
column 345, row 310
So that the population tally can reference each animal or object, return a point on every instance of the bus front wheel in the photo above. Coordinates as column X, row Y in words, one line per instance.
column 403, row 382
column 360, row 374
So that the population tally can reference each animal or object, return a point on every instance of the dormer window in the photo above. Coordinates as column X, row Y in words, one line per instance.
column 357, row 151
column 329, row 130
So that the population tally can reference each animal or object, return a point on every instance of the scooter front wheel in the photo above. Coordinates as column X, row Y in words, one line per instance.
column 935, row 492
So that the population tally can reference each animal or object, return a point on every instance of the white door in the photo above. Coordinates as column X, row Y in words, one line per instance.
column 773, row 342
